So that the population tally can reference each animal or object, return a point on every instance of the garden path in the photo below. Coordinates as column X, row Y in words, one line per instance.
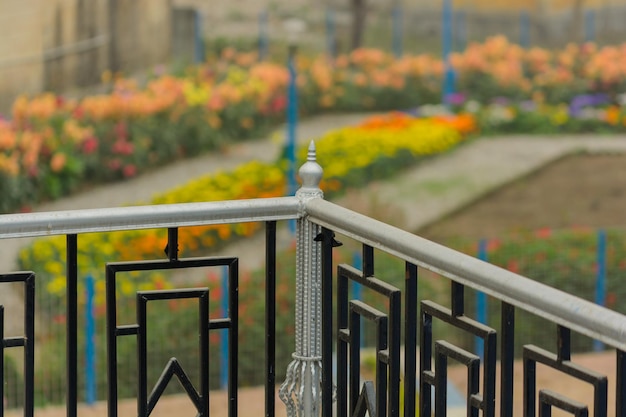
column 412, row 200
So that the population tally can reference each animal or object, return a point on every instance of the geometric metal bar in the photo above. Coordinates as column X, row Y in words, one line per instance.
column 530, row 386
column 347, row 335
column 270, row 318
column 507, row 358
column 410, row 338
column 343, row 342
column 549, row 399
column 366, row 405
column 358, row 309
column 145, row 402
column 533, row 354
column 114, row 331
column 429, row 377
column 443, row 350
column 27, row 341
column 426, row 375
column 72, row 325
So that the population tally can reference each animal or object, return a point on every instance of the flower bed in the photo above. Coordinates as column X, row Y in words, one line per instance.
column 405, row 140
column 380, row 146
column 51, row 144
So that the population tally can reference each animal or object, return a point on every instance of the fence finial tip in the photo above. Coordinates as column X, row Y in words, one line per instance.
column 311, row 172
column 311, row 155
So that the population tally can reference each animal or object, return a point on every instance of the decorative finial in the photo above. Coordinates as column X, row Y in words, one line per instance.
column 311, row 172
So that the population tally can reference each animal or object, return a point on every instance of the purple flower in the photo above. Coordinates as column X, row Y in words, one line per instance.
column 587, row 100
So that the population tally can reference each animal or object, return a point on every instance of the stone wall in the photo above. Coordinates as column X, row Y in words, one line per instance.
column 21, row 48
column 66, row 45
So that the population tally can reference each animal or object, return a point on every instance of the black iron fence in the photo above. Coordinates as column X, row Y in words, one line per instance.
column 418, row 313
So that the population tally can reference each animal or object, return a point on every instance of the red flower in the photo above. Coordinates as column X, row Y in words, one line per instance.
column 513, row 266
column 129, row 170
column 278, row 104
column 543, row 233
column 90, row 145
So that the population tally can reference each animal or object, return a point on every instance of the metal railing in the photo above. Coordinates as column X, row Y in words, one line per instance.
column 325, row 376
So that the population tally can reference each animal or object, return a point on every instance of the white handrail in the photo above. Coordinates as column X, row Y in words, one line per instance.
column 565, row 309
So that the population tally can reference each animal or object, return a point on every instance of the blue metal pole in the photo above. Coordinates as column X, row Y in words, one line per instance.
column 446, row 35
column 198, row 40
column 292, row 125
column 224, row 335
column 397, row 31
column 331, row 41
column 590, row 26
column 90, row 342
column 600, row 279
column 524, row 29
column 263, row 41
column 481, row 298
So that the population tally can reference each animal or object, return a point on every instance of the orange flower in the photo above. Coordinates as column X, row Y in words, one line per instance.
column 58, row 161
column 612, row 115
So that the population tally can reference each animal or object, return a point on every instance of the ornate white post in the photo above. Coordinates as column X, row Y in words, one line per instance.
column 301, row 391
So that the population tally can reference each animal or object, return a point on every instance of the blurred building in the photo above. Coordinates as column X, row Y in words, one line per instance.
column 65, row 45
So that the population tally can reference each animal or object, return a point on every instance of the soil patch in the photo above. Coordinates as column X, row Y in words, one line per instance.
column 577, row 190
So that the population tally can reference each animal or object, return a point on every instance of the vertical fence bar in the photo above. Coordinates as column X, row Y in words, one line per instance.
column 398, row 30
column 524, row 29
column 507, row 358
column 327, row 322
column 29, row 348
column 72, row 325
column 90, row 342
column 357, row 289
column 410, row 338
column 600, row 278
column 481, row 301
column 2, row 395
column 620, row 386
column 233, row 337
column 270, row 318
column 590, row 25
column 224, row 332
column 263, row 36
